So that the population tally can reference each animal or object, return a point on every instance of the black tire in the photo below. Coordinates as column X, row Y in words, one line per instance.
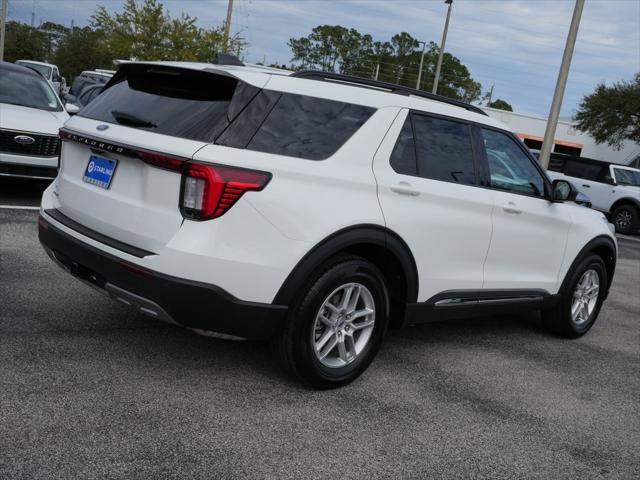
column 559, row 319
column 293, row 344
column 626, row 219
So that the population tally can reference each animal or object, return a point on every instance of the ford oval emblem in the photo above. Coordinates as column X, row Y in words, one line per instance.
column 102, row 127
column 24, row 139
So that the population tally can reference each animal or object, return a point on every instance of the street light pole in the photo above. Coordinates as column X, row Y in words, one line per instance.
column 227, row 27
column 3, row 21
column 444, row 39
column 552, row 122
column 424, row 46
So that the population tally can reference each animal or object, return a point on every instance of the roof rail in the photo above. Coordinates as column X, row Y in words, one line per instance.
column 384, row 86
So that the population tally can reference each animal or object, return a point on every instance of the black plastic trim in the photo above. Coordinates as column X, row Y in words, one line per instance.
column 58, row 216
column 192, row 304
column 588, row 249
column 351, row 236
column 383, row 86
column 475, row 303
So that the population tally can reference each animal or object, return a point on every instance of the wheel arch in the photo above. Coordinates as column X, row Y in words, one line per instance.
column 381, row 246
column 625, row 201
column 602, row 246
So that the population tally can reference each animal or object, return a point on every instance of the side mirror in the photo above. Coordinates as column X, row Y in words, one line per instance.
column 563, row 191
column 71, row 108
column 609, row 179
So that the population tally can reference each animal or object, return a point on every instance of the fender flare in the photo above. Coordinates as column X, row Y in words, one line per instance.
column 589, row 248
column 365, row 234
column 623, row 200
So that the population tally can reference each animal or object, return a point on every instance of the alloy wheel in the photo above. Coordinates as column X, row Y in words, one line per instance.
column 585, row 297
column 343, row 325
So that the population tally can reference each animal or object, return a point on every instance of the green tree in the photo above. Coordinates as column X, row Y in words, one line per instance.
column 82, row 49
column 336, row 48
column 23, row 42
column 500, row 104
column 135, row 32
column 145, row 31
column 612, row 114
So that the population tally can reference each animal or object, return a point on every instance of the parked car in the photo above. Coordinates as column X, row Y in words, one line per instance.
column 613, row 189
column 314, row 210
column 86, row 96
column 84, row 80
column 49, row 72
column 31, row 115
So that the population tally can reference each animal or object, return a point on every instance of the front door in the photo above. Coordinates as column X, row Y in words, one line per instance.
column 529, row 231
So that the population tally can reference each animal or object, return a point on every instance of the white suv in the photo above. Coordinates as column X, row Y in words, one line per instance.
column 314, row 210
column 611, row 188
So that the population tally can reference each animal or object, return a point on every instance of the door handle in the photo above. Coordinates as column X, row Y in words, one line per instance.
column 511, row 208
column 587, row 186
column 404, row 188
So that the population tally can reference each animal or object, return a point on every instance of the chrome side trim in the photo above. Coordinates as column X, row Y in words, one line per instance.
column 453, row 302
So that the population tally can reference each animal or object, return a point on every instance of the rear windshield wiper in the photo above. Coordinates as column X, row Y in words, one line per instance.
column 128, row 119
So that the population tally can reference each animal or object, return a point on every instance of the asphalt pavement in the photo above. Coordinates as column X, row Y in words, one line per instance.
column 90, row 389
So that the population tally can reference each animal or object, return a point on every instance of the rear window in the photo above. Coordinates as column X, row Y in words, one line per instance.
column 180, row 103
column 215, row 108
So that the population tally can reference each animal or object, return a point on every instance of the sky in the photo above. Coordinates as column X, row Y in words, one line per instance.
column 515, row 45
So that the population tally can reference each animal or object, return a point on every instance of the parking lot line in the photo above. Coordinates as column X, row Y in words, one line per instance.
column 18, row 207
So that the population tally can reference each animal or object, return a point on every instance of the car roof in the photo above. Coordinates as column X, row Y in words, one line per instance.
column 283, row 80
column 12, row 67
column 97, row 73
column 37, row 63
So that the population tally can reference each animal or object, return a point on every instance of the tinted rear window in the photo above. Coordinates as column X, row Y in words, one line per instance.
column 308, row 127
column 180, row 103
column 215, row 108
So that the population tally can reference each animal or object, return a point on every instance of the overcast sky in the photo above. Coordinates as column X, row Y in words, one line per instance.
column 516, row 45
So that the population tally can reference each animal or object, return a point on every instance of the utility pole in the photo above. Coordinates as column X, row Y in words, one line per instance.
column 552, row 122
column 424, row 46
column 227, row 27
column 444, row 39
column 3, row 21
column 377, row 71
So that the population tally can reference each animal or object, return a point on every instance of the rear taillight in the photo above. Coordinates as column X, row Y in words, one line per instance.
column 208, row 191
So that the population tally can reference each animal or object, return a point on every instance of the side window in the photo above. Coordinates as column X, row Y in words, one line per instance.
column 403, row 157
column 308, row 127
column 444, row 151
column 586, row 171
column 510, row 168
column 627, row 177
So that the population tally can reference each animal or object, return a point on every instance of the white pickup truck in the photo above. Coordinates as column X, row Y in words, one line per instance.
column 613, row 189
column 49, row 72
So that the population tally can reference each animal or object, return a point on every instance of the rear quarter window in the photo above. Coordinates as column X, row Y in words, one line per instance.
column 308, row 127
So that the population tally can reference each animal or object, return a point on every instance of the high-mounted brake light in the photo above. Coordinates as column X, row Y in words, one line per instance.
column 208, row 191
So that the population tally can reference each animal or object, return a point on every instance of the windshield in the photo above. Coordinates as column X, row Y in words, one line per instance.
column 41, row 69
column 627, row 177
column 28, row 91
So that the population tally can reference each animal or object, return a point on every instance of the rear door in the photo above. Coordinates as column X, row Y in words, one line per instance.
column 529, row 231
column 118, row 172
column 428, row 191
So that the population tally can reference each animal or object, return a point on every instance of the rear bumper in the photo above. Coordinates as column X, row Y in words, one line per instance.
column 191, row 304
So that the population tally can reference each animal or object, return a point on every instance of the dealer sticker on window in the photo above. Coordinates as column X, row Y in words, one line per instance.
column 100, row 171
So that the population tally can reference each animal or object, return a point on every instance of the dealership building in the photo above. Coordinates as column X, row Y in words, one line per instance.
column 567, row 140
